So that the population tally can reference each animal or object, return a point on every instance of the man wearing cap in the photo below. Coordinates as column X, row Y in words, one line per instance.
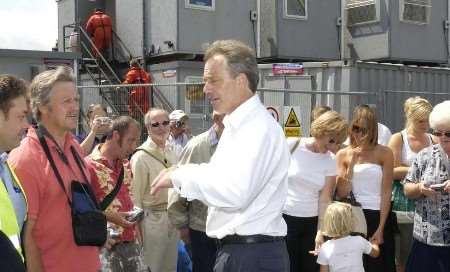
column 245, row 183
column 178, row 137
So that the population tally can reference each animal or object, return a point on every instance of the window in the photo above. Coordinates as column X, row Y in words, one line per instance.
column 295, row 9
column 362, row 12
column 201, row 4
column 195, row 95
column 415, row 11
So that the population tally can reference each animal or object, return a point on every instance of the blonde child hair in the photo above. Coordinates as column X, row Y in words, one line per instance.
column 338, row 220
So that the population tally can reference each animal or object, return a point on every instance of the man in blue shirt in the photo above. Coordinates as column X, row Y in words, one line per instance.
column 13, row 208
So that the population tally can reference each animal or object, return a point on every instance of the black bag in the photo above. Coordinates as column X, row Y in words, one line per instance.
column 88, row 221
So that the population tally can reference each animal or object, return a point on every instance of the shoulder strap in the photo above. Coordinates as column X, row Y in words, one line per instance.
column 295, row 145
column 164, row 163
column 52, row 162
column 110, row 197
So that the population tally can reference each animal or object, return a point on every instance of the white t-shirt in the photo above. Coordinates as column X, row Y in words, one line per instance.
column 306, row 178
column 384, row 134
column 344, row 254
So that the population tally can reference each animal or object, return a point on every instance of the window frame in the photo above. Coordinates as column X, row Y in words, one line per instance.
column 295, row 17
column 401, row 10
column 377, row 13
column 189, row 5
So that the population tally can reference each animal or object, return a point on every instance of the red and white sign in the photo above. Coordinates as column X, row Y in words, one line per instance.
column 287, row 69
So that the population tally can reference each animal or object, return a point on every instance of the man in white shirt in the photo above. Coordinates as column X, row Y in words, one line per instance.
column 245, row 183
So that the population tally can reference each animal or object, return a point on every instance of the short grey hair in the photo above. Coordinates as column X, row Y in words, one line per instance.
column 240, row 59
column 440, row 115
column 147, row 120
column 42, row 85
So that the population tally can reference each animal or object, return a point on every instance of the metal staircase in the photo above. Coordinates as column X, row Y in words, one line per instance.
column 103, row 72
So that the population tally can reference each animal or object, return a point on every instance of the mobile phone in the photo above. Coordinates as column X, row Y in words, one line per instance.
column 135, row 214
column 438, row 187
column 113, row 233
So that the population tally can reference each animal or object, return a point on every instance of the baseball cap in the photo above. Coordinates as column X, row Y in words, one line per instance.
column 177, row 115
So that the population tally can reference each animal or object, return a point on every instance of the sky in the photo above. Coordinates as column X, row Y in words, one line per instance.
column 28, row 24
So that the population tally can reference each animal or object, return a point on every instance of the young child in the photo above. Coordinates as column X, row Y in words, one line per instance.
column 343, row 252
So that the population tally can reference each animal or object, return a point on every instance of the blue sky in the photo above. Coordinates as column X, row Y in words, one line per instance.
column 28, row 24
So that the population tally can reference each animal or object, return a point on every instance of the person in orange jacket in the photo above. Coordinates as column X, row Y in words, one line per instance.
column 139, row 99
column 99, row 27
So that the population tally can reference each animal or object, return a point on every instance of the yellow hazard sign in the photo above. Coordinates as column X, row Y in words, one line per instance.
column 292, row 125
column 292, row 132
column 292, row 120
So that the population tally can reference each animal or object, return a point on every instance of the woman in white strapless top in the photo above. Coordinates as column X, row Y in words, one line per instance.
column 365, row 168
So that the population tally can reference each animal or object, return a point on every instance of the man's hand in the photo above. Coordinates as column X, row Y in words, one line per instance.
column 185, row 235
column 162, row 181
column 118, row 218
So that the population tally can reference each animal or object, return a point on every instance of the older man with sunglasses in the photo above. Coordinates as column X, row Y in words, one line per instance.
column 155, row 154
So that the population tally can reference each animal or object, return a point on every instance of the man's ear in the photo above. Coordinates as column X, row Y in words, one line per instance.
column 243, row 82
column 115, row 135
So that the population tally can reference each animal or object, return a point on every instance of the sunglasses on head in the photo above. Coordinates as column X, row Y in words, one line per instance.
column 358, row 129
column 440, row 133
column 157, row 124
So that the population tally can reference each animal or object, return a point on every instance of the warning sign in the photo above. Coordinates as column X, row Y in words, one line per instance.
column 292, row 126
column 292, row 120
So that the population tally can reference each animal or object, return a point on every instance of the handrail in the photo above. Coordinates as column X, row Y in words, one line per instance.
column 99, row 54
column 122, row 44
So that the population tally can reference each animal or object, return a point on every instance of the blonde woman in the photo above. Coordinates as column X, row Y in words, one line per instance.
column 342, row 253
column 405, row 145
column 311, row 183
column 365, row 167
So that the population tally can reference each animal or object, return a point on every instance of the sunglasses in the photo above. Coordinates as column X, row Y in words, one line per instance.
column 358, row 129
column 440, row 134
column 157, row 124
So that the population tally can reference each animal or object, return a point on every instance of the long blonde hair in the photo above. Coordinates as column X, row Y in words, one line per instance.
column 416, row 108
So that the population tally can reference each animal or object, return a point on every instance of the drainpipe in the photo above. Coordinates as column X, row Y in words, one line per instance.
column 447, row 30
column 144, row 33
column 343, row 26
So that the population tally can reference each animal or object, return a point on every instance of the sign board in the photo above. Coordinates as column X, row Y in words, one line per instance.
column 287, row 69
column 169, row 73
column 292, row 125
column 274, row 111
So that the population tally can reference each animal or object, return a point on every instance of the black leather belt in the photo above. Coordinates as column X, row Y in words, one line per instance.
column 248, row 239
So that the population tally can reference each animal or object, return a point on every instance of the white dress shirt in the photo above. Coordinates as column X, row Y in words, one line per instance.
column 245, row 183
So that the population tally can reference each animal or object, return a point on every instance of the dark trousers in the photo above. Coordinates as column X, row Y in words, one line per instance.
column 301, row 232
column 203, row 251
column 386, row 261
column 256, row 257
column 424, row 257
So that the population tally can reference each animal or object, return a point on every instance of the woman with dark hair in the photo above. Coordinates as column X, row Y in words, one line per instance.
column 365, row 167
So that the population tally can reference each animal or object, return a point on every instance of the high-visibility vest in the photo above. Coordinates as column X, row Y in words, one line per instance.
column 8, row 220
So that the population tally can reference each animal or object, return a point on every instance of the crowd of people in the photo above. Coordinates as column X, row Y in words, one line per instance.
column 238, row 197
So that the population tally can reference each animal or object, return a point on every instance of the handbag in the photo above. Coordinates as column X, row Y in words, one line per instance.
column 88, row 221
column 358, row 217
column 359, row 220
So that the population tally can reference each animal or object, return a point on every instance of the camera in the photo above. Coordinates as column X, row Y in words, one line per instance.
column 103, row 120
column 135, row 214
column 179, row 124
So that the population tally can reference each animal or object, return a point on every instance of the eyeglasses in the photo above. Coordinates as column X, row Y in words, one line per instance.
column 358, row 129
column 164, row 123
column 440, row 133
